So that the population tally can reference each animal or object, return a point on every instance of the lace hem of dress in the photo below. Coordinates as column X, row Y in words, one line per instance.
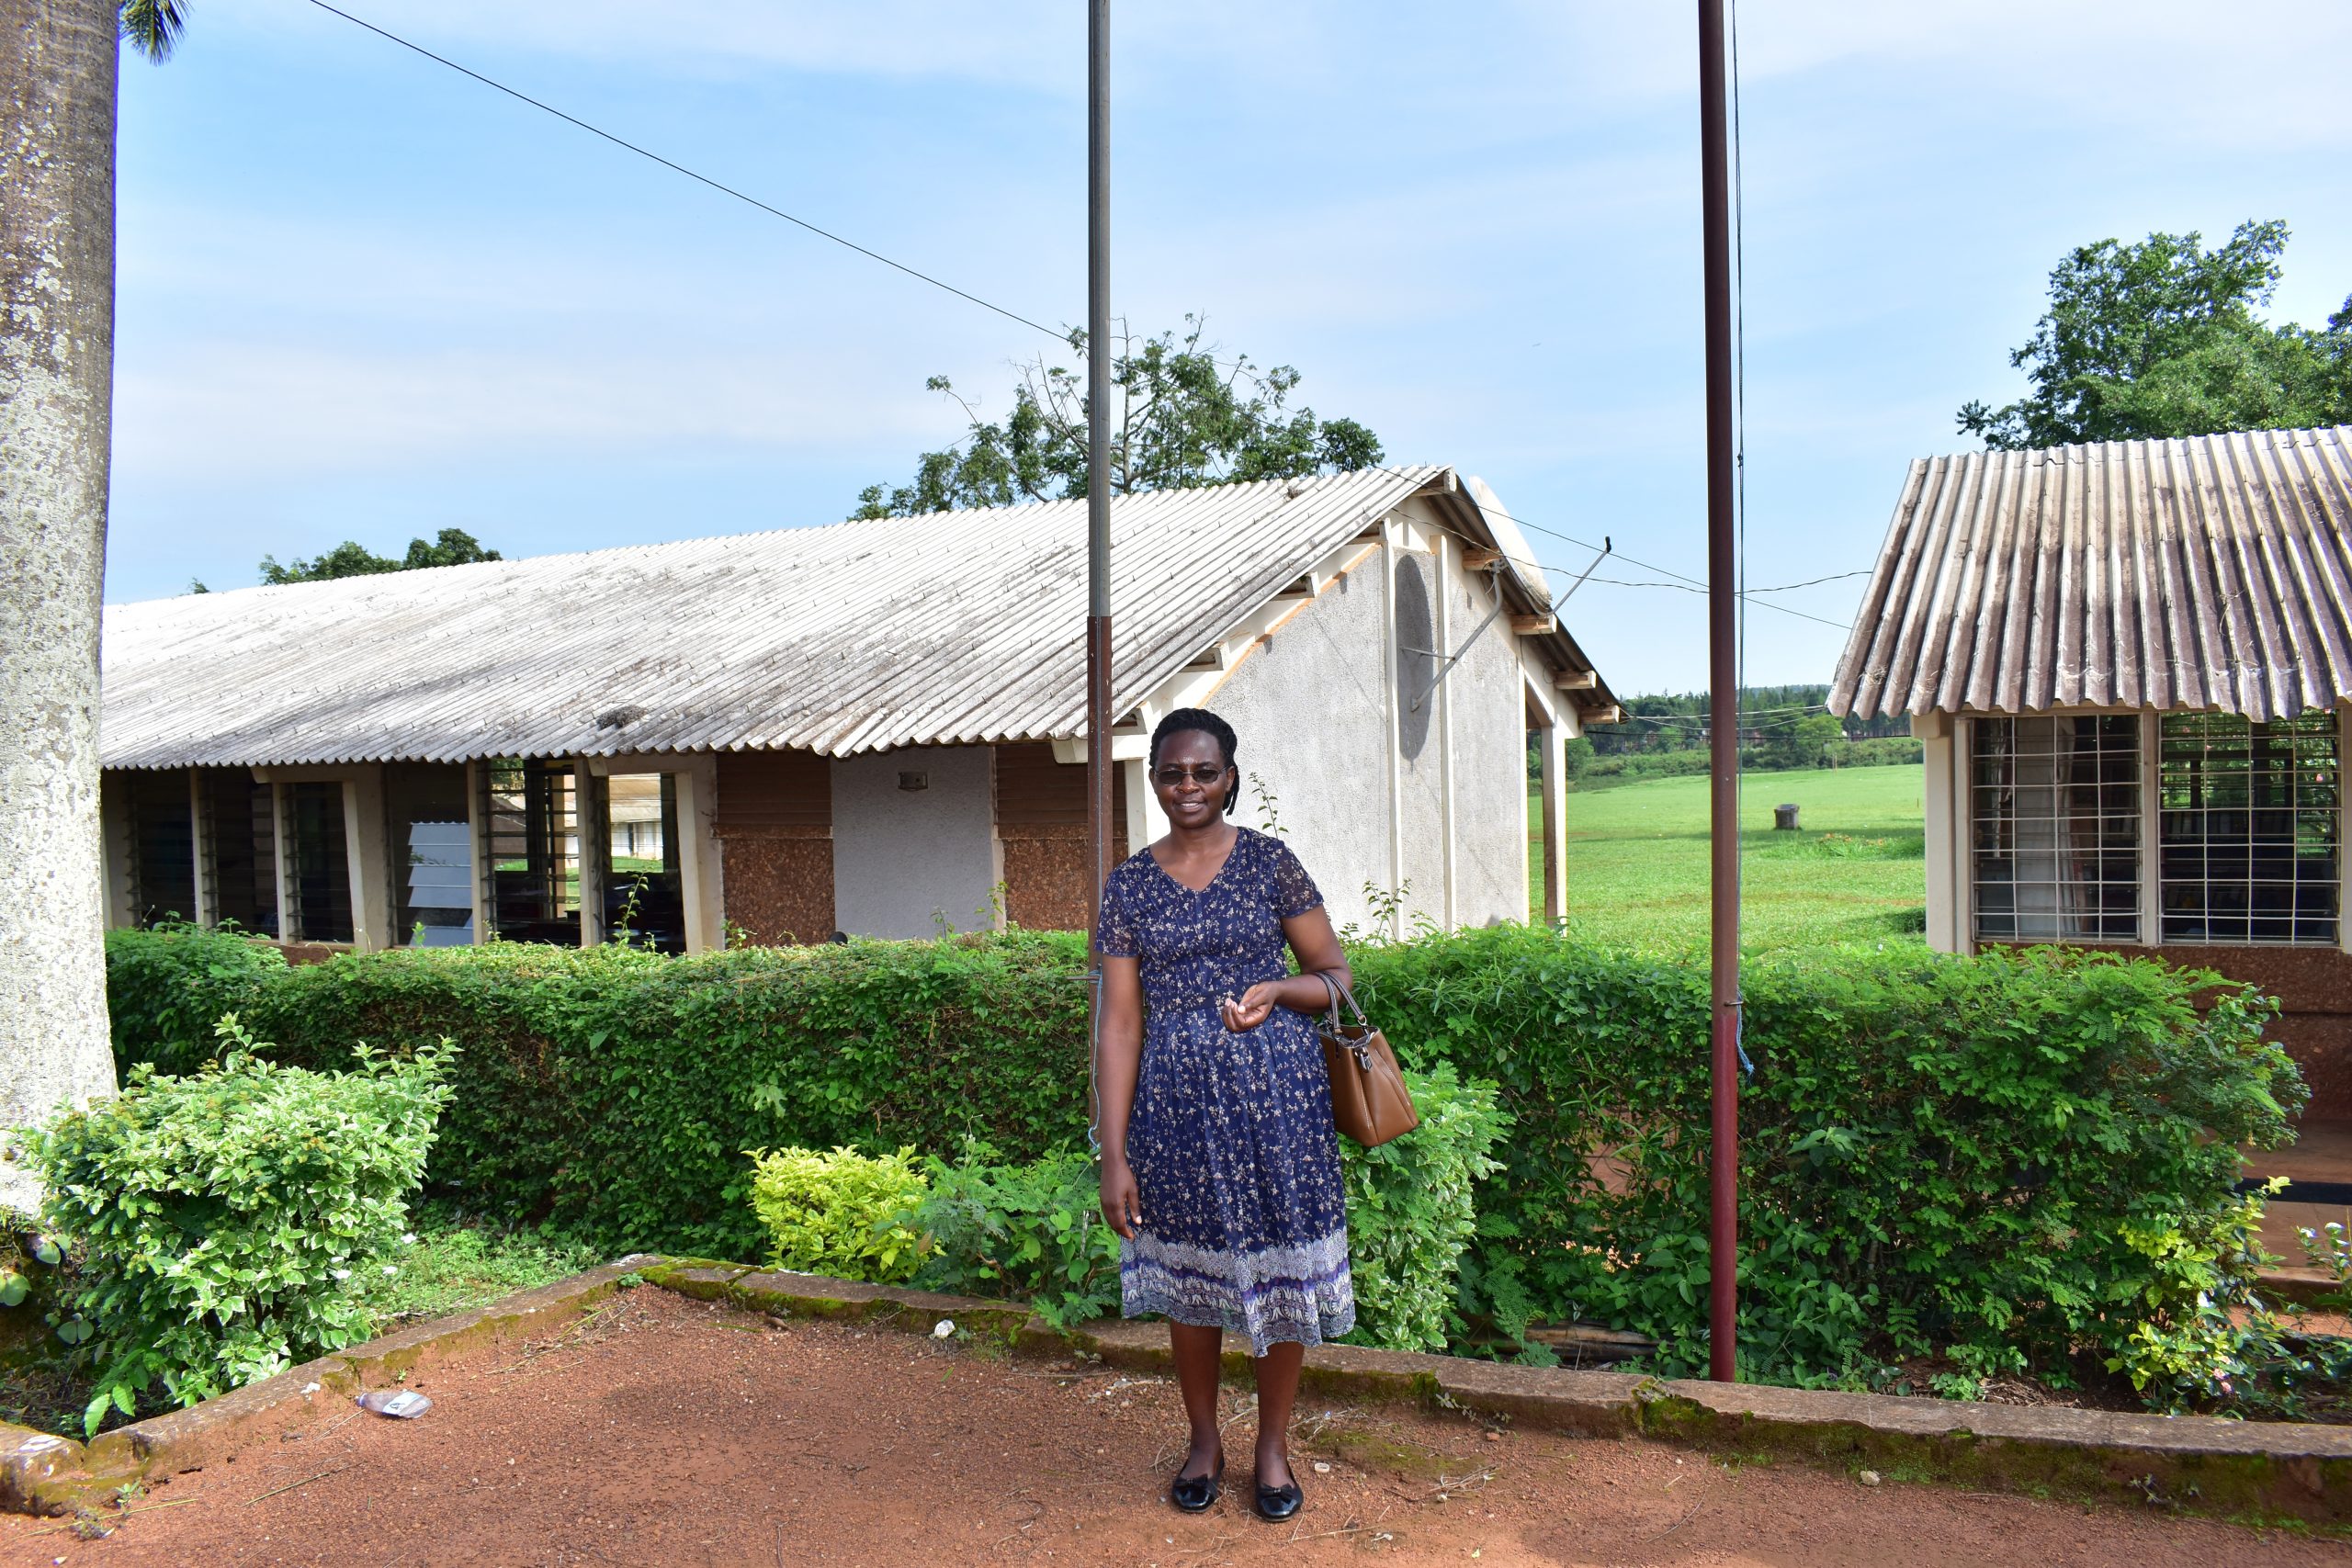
column 1275, row 1294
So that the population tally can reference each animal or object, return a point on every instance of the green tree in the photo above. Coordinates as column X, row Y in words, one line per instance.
column 2161, row 339
column 1184, row 418
column 1797, row 742
column 454, row 547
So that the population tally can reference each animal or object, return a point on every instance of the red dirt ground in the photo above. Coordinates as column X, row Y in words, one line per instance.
column 666, row 1431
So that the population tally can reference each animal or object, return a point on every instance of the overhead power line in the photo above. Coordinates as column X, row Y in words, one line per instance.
column 718, row 185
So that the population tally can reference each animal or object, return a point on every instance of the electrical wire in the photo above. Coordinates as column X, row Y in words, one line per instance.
column 1686, row 582
column 723, row 188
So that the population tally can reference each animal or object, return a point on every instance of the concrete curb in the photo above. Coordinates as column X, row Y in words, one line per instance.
column 43, row 1473
column 2205, row 1464
column 2268, row 1471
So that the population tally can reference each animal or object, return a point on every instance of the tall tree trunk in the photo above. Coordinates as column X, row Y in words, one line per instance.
column 57, row 108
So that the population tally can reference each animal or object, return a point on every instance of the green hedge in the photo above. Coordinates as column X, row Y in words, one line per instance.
column 613, row 1091
column 169, row 986
column 2002, row 1160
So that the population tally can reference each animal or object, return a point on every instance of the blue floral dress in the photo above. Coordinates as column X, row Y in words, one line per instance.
column 1245, row 1225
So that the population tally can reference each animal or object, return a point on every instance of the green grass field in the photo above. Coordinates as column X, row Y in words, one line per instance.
column 1637, row 862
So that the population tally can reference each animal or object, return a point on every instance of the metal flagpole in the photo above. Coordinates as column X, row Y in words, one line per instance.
column 1100, row 774
column 1723, row 680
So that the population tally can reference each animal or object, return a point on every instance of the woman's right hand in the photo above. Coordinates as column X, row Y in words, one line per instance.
column 1122, row 1204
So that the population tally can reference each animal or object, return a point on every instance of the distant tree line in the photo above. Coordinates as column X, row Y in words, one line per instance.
column 1666, row 735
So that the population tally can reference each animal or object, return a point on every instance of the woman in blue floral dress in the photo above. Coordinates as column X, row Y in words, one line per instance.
column 1220, row 1166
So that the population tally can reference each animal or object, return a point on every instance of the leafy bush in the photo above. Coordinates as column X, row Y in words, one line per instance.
column 1411, row 1211
column 1028, row 1231
column 1940, row 1156
column 168, row 985
column 1937, row 1155
column 219, row 1216
column 837, row 1214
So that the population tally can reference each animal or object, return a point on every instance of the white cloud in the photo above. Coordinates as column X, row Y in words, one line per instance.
column 208, row 410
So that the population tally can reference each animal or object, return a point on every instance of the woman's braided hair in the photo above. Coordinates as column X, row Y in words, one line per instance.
column 1186, row 720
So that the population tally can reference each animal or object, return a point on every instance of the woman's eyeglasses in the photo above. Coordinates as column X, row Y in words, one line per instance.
column 1173, row 775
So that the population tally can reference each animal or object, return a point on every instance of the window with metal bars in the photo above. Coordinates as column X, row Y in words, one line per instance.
column 2054, row 828
column 2250, row 828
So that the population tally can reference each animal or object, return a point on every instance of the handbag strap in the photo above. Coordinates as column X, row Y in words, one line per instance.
column 1332, row 991
column 1336, row 991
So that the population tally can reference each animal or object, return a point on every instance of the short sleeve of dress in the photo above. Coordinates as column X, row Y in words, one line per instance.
column 1115, row 934
column 1295, row 891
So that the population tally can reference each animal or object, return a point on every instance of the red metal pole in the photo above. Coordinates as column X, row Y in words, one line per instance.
column 1100, row 774
column 1723, row 683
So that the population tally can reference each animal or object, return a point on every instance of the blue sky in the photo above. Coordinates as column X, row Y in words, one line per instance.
column 364, row 298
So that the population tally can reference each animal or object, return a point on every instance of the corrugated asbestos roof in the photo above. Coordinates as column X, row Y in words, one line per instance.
column 2209, row 573
column 956, row 628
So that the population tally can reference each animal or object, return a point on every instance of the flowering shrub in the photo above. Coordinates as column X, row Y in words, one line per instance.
column 218, row 1218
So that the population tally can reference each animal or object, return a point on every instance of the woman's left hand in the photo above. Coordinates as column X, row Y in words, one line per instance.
column 1256, row 1005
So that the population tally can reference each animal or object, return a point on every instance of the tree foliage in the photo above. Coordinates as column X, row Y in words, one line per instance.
column 2161, row 339
column 1184, row 417
column 153, row 26
column 454, row 547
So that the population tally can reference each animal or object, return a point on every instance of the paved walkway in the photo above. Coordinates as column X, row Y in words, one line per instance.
column 2322, row 1153
column 665, row 1431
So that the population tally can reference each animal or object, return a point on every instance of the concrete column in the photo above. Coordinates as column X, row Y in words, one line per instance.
column 1552, row 787
column 114, row 826
column 1442, row 556
column 1939, row 736
column 592, row 814
column 368, row 854
column 2152, row 821
column 281, row 861
column 477, row 844
column 1392, row 704
column 1146, row 821
column 699, row 874
column 199, row 846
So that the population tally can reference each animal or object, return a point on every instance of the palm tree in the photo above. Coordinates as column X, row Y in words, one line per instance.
column 56, row 130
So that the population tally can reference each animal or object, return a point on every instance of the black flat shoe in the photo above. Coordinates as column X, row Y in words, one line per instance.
column 1197, row 1494
column 1281, row 1503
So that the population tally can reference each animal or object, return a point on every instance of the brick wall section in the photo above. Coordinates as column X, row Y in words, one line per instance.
column 1041, row 824
column 774, row 826
column 2314, row 986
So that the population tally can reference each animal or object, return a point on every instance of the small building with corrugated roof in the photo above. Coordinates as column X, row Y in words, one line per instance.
column 874, row 727
column 2130, row 666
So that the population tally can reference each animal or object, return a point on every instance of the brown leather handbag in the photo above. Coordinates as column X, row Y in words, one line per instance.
column 1368, row 1099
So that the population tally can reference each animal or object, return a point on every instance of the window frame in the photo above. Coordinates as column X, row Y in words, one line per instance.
column 2150, row 732
column 1966, row 790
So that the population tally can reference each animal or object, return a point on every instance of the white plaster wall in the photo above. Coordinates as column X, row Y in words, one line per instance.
column 903, row 859
column 1306, row 705
column 1489, row 727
